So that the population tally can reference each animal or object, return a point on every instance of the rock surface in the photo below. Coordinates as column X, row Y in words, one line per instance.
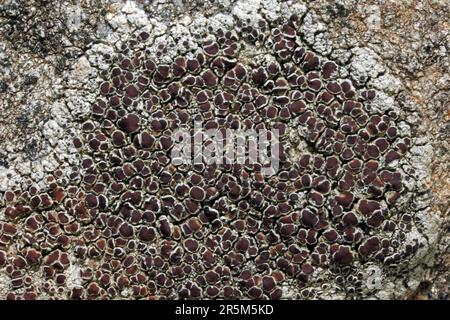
column 65, row 230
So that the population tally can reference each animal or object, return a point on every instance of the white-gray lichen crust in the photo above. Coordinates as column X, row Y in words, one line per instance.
column 91, row 205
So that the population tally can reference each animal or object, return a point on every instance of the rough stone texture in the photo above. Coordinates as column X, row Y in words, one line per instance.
column 53, row 59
